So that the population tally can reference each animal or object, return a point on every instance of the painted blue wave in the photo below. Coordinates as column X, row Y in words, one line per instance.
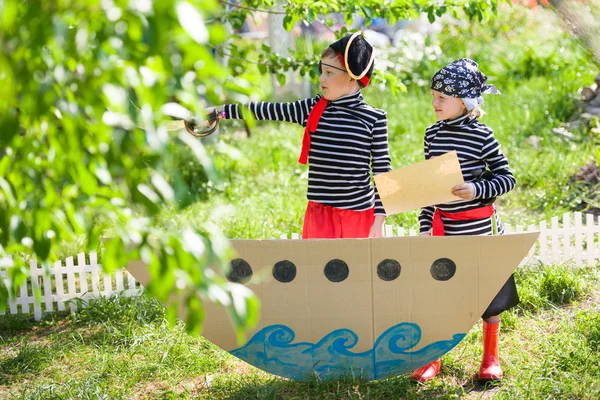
column 272, row 350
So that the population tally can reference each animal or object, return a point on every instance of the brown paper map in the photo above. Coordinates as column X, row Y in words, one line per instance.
column 420, row 185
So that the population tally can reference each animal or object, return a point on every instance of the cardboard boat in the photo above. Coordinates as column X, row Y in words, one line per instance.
column 372, row 308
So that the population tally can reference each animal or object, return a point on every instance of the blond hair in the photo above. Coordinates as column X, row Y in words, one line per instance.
column 473, row 107
column 477, row 112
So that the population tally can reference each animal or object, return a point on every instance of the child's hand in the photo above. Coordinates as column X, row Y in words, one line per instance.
column 376, row 230
column 207, row 111
column 465, row 191
column 425, row 234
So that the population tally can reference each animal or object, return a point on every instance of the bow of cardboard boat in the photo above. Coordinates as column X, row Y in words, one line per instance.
column 369, row 307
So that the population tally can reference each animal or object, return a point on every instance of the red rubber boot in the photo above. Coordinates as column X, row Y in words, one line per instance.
column 427, row 372
column 490, row 366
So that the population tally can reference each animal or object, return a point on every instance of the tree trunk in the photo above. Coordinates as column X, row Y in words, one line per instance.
column 281, row 42
column 581, row 22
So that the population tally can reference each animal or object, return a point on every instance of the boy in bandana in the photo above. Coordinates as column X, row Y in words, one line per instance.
column 457, row 94
column 345, row 143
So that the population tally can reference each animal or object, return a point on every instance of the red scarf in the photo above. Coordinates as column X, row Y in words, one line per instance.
column 477, row 213
column 311, row 125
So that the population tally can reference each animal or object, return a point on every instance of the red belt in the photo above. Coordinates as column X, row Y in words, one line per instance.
column 476, row 213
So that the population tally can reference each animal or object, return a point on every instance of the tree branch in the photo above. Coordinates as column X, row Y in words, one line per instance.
column 269, row 11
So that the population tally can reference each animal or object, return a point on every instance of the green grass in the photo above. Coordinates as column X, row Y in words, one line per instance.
column 121, row 348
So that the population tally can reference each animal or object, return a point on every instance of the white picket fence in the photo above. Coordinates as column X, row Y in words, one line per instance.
column 83, row 277
column 573, row 242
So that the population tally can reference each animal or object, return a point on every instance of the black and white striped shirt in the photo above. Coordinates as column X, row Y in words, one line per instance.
column 476, row 148
column 350, row 142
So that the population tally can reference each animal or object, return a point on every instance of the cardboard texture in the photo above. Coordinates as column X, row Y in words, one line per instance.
column 367, row 307
column 420, row 185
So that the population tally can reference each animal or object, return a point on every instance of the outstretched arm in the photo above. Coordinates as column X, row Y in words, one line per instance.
column 296, row 112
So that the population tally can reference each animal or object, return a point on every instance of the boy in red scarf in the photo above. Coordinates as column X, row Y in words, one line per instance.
column 345, row 143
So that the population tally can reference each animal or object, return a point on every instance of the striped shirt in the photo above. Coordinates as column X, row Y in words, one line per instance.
column 476, row 148
column 349, row 144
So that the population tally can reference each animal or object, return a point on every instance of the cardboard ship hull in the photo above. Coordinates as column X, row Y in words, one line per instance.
column 373, row 308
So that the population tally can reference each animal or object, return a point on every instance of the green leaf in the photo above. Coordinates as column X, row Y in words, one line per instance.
column 163, row 187
column 4, row 229
column 18, row 227
column 7, row 190
column 348, row 18
column 288, row 22
column 182, row 191
column 17, row 276
column 368, row 13
column 195, row 316
column 9, row 15
column 149, row 197
column 253, row 308
column 114, row 256
column 93, row 238
column 103, row 175
column 172, row 313
column 244, row 310
column 200, row 152
column 3, row 295
column 281, row 79
column 85, row 178
column 191, row 21
column 193, row 244
column 41, row 245
column 9, row 122
column 430, row 15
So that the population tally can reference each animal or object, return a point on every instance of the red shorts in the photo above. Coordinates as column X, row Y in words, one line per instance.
column 326, row 222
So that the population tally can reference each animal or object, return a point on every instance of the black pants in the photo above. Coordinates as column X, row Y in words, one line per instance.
column 506, row 299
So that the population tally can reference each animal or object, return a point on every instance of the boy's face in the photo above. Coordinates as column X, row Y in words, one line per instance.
column 335, row 81
column 447, row 107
